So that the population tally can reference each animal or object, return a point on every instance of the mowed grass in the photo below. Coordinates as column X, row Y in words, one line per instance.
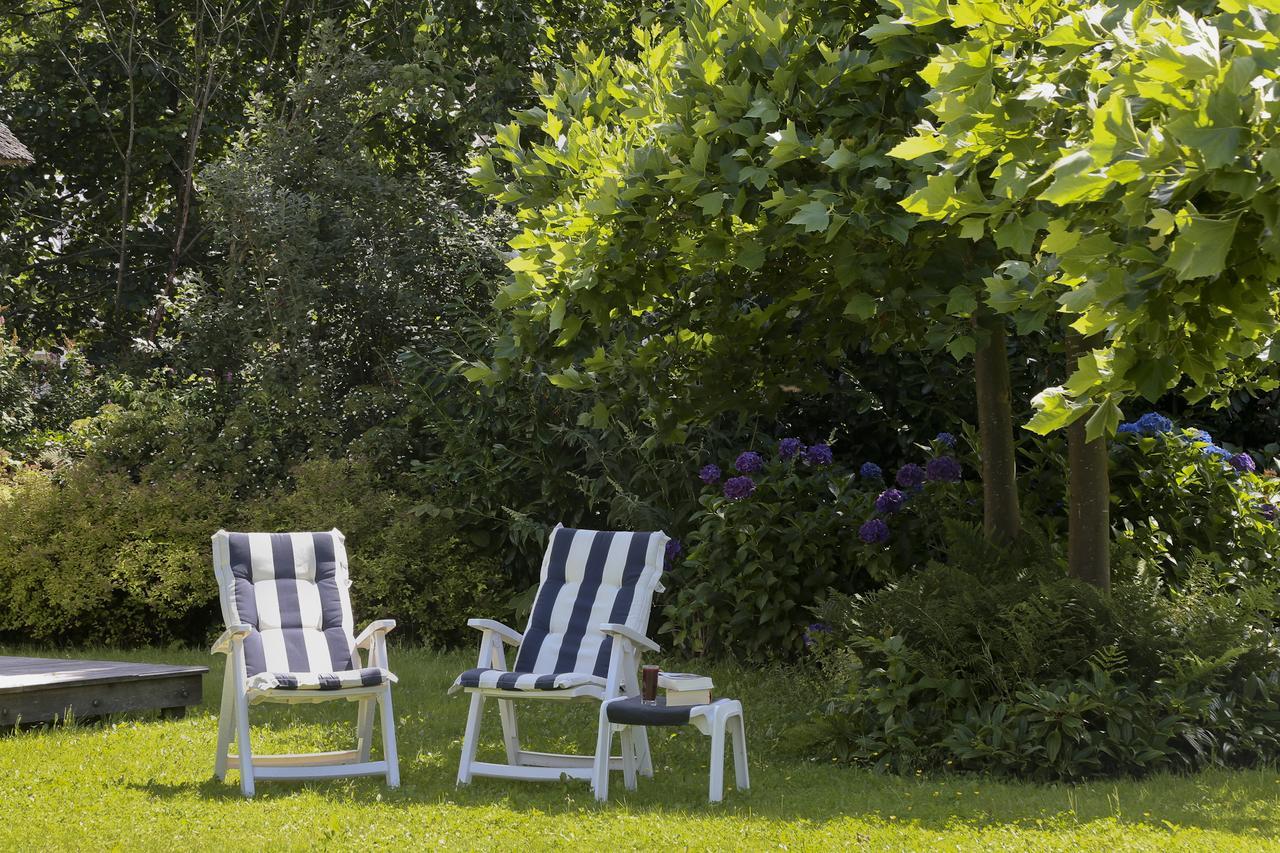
column 145, row 783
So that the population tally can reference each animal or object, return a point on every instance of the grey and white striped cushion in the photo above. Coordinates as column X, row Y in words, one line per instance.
column 368, row 677
column 292, row 588
column 589, row 577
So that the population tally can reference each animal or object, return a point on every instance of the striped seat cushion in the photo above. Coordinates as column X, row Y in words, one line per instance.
column 292, row 589
column 589, row 577
column 502, row 680
column 367, row 677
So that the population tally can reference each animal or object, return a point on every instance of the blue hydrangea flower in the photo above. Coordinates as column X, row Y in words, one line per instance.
column 811, row 633
column 1127, row 429
column 910, row 476
column 946, row 439
column 1215, row 450
column 738, row 488
column 890, row 501
column 709, row 474
column 1198, row 435
column 1243, row 463
column 819, row 454
column 789, row 447
column 874, row 532
column 943, row 469
column 871, row 471
column 749, row 462
column 1268, row 511
column 1154, row 423
column 673, row 552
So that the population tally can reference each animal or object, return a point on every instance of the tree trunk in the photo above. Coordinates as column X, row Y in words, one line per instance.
column 1001, row 519
column 1088, row 494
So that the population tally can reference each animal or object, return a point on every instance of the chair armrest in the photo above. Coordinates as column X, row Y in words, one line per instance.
column 376, row 628
column 629, row 634
column 226, row 641
column 509, row 636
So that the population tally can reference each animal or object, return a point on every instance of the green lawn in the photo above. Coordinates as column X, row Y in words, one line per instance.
column 145, row 783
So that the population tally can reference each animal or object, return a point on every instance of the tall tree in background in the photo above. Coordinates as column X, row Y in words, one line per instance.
column 718, row 220
column 1137, row 144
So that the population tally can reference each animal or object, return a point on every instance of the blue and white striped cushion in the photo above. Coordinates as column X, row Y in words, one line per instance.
column 589, row 577
column 500, row 679
column 367, row 677
column 292, row 589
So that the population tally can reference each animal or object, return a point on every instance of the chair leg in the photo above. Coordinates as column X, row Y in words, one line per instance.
column 600, row 770
column 226, row 726
column 470, row 739
column 389, row 754
column 510, row 732
column 716, row 792
column 738, row 732
column 242, row 743
column 364, row 728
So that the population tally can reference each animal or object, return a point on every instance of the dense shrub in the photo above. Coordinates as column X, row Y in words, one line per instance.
column 774, row 536
column 97, row 557
column 1035, row 675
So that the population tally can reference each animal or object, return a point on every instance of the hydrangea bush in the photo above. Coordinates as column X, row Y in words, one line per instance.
column 790, row 524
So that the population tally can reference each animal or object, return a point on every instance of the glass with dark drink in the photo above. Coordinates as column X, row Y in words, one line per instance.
column 649, row 684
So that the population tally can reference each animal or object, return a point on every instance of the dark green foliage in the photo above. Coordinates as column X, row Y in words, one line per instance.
column 99, row 558
column 1030, row 674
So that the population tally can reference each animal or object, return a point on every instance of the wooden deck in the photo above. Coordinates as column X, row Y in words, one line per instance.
column 41, row 690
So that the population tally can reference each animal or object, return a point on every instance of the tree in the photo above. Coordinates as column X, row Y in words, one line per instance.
column 1134, row 145
column 715, row 225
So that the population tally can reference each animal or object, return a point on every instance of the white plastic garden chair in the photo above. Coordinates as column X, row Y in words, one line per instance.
column 584, row 640
column 289, row 639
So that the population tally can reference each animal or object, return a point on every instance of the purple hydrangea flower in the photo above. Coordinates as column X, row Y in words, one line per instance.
column 871, row 471
column 1243, row 462
column 749, row 462
column 709, row 474
column 874, row 532
column 789, row 447
column 943, row 469
column 910, row 476
column 946, row 439
column 673, row 552
column 811, row 633
column 737, row 488
column 1129, row 429
column 1268, row 511
column 1154, row 423
column 890, row 501
column 819, row 454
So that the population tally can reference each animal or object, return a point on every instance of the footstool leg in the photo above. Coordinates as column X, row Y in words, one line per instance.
column 629, row 760
column 646, row 759
column 738, row 732
column 717, row 757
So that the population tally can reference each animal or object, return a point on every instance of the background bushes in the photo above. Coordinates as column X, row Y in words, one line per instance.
column 99, row 558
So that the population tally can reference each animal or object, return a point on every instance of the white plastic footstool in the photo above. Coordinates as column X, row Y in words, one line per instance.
column 625, row 714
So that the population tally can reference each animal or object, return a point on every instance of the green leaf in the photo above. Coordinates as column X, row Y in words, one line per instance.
column 961, row 346
column 916, row 146
column 1103, row 421
column 1201, row 247
column 1054, row 410
column 1075, row 178
column 840, row 158
column 961, row 301
column 861, row 306
column 935, row 199
column 814, row 216
column 711, row 203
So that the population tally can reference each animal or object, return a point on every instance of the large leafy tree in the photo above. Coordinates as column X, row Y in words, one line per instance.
column 714, row 225
column 1137, row 144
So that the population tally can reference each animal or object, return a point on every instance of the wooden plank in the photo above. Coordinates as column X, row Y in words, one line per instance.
column 39, row 690
column 19, row 674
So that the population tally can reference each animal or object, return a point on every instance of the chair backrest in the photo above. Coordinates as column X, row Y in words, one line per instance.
column 589, row 577
column 292, row 589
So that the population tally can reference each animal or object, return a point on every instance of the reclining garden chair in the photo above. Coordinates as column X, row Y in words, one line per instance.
column 583, row 642
column 289, row 639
